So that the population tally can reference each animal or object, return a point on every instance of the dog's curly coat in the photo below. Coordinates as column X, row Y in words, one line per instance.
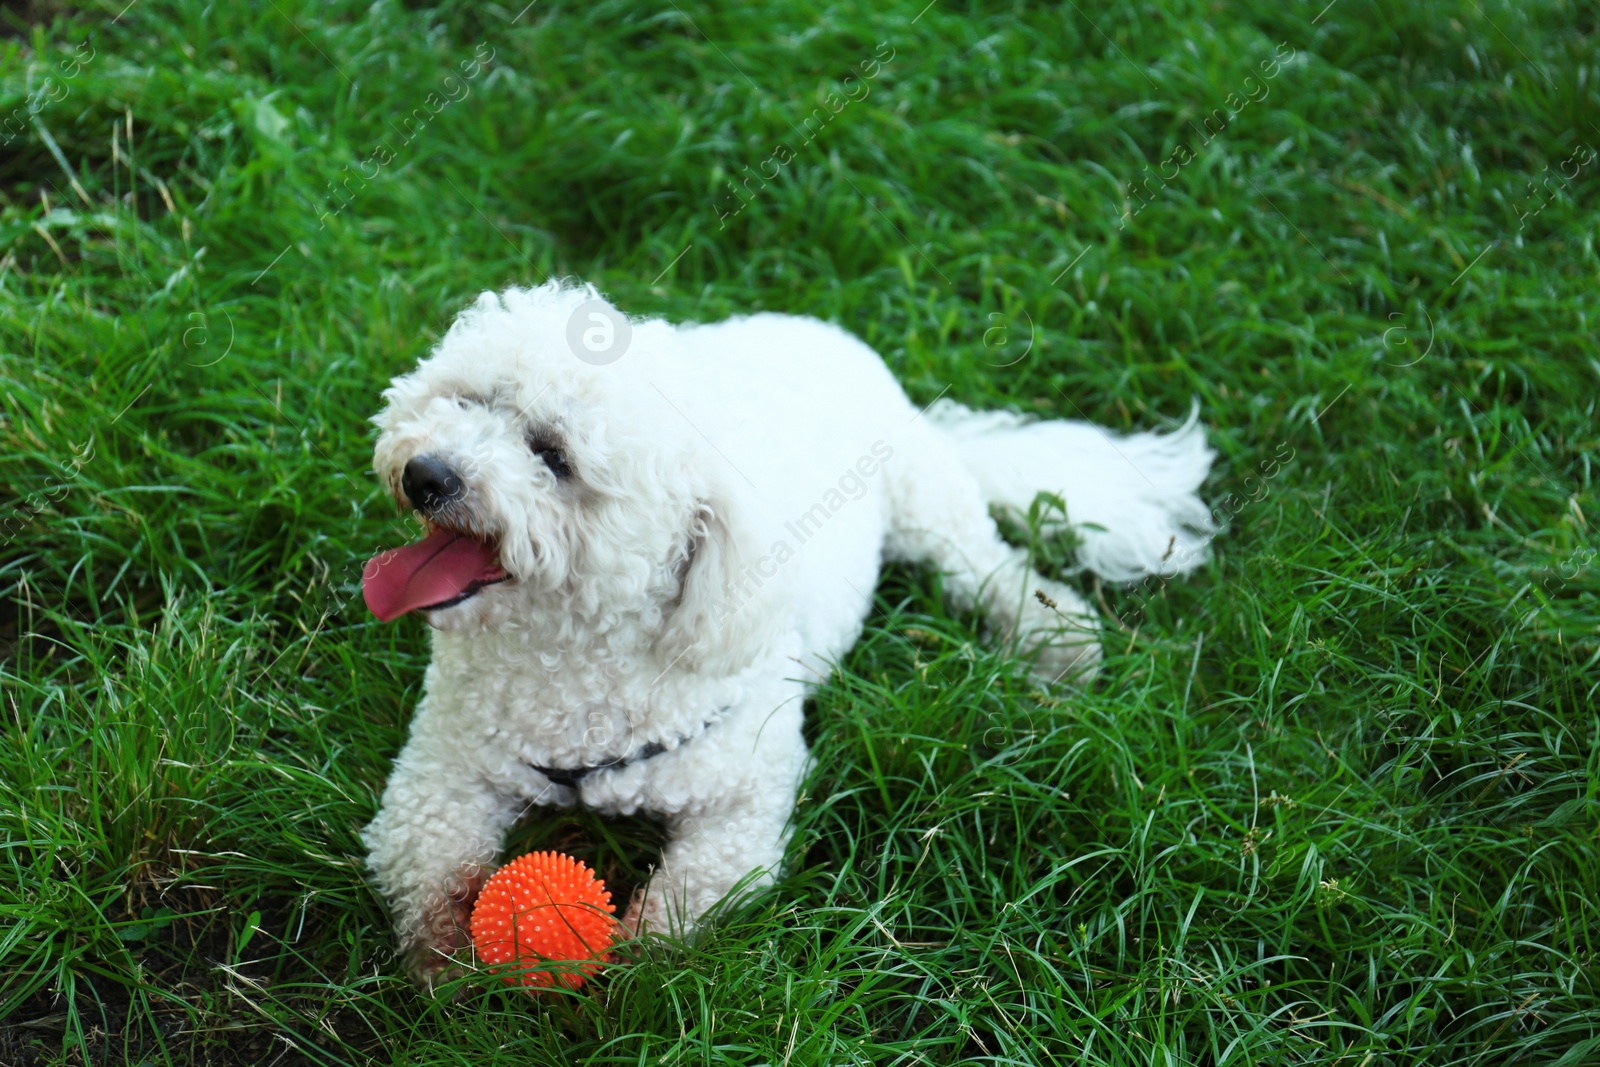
column 662, row 556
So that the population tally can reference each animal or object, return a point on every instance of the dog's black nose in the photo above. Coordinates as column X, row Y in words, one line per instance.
column 430, row 484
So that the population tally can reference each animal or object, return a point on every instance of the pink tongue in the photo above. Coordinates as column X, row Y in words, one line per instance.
column 435, row 569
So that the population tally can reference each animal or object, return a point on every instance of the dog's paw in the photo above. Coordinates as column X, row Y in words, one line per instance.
column 632, row 923
column 1058, row 635
column 444, row 931
column 432, row 966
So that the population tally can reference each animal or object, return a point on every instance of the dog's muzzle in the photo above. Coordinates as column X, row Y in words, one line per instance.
column 452, row 564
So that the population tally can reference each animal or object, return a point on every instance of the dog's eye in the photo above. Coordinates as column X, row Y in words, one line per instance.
column 553, row 457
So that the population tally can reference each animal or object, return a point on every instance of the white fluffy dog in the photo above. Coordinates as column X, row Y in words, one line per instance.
column 646, row 544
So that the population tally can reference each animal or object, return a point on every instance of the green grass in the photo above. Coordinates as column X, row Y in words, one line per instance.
column 1335, row 799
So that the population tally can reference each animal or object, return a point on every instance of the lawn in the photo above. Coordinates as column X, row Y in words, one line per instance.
column 1334, row 799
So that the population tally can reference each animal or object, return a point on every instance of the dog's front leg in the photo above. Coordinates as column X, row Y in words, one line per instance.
column 432, row 846
column 737, row 844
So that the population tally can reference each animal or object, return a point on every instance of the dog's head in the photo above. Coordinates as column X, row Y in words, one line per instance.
column 560, row 494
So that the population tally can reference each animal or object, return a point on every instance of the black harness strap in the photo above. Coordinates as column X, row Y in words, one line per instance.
column 572, row 777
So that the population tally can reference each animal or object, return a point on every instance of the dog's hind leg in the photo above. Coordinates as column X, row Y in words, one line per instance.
column 1134, row 495
column 939, row 516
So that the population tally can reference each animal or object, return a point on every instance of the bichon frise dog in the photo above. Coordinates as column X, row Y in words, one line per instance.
column 647, row 543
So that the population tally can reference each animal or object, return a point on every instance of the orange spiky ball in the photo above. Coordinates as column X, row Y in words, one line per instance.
column 543, row 906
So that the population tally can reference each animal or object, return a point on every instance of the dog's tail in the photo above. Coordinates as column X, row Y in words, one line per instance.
column 1131, row 501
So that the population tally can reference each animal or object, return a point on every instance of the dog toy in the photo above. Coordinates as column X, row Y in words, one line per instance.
column 541, row 907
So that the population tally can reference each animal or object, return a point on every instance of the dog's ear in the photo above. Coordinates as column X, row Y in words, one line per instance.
column 723, row 618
